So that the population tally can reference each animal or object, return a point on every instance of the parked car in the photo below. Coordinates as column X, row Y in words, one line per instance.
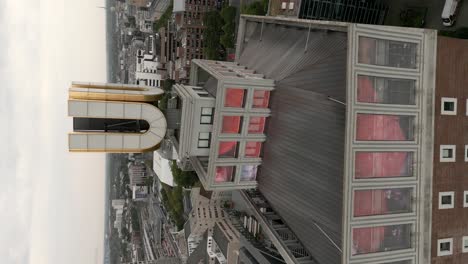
column 449, row 12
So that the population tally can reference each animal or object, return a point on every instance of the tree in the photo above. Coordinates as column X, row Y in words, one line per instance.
column 162, row 21
column 228, row 14
column 167, row 85
column 183, row 178
column 461, row 33
column 258, row 8
column 211, row 36
column 135, row 219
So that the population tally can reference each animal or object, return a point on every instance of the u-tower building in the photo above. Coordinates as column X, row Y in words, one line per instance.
column 353, row 135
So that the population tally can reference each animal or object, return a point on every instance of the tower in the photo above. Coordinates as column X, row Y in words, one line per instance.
column 115, row 118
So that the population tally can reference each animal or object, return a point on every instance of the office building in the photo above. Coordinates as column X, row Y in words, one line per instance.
column 138, row 173
column 333, row 123
column 206, row 211
column 104, row 114
column 449, row 232
column 222, row 126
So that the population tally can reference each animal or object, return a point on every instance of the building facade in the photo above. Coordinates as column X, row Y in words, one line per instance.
column 449, row 243
column 223, row 121
column 115, row 118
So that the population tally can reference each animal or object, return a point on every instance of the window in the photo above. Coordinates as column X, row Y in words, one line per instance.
column 256, row 125
column 465, row 199
column 204, row 139
column 261, row 99
column 448, row 106
column 253, row 149
column 382, row 201
column 383, row 164
column 447, row 153
column 379, row 127
column 231, row 124
column 228, row 149
column 466, row 152
column 444, row 247
column 446, row 200
column 206, row 115
column 465, row 244
column 291, row 5
column 283, row 5
column 234, row 97
column 390, row 53
column 248, row 173
column 381, row 238
column 224, row 174
column 383, row 90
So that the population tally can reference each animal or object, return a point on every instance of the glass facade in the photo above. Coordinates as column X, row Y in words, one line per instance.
column 383, row 164
column 231, row 124
column 379, row 127
column 382, row 201
column 261, row 99
column 256, row 125
column 228, row 149
column 381, row 238
column 248, row 173
column 225, row 174
column 234, row 97
column 384, row 52
column 383, row 90
column 253, row 149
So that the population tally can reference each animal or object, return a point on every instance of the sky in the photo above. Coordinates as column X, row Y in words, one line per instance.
column 52, row 201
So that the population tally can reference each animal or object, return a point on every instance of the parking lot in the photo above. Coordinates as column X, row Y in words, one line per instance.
column 433, row 16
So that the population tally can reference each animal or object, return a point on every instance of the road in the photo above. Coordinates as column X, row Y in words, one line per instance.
column 433, row 16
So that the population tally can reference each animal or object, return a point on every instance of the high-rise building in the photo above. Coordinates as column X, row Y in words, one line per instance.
column 137, row 173
column 115, row 118
column 344, row 150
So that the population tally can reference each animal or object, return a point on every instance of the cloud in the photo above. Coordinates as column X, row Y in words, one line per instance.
column 18, row 75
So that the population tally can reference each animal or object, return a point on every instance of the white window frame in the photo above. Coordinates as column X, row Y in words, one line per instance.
column 205, row 117
column 464, row 240
column 467, row 107
column 443, row 253
column 466, row 153
column 204, row 140
column 454, row 149
column 465, row 194
column 448, row 100
column 291, row 5
column 446, row 206
column 283, row 5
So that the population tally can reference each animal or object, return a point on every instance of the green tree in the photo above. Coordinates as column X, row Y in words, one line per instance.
column 258, row 8
column 162, row 21
column 132, row 21
column 211, row 36
column 167, row 85
column 135, row 219
column 228, row 14
column 183, row 178
column 461, row 33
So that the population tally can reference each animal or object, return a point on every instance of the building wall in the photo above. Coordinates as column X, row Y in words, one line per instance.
column 230, row 77
column 191, row 127
column 372, row 232
column 451, row 82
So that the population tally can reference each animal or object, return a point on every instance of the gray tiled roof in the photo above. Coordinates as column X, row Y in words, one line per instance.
column 221, row 240
column 200, row 254
column 302, row 169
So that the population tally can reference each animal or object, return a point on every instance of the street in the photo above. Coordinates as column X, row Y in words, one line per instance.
column 433, row 16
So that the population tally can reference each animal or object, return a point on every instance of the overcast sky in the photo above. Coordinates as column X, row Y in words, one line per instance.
column 51, row 201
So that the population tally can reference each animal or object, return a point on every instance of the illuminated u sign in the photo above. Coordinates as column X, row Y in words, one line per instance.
column 115, row 118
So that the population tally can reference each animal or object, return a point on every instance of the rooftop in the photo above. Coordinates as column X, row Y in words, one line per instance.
column 307, row 71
